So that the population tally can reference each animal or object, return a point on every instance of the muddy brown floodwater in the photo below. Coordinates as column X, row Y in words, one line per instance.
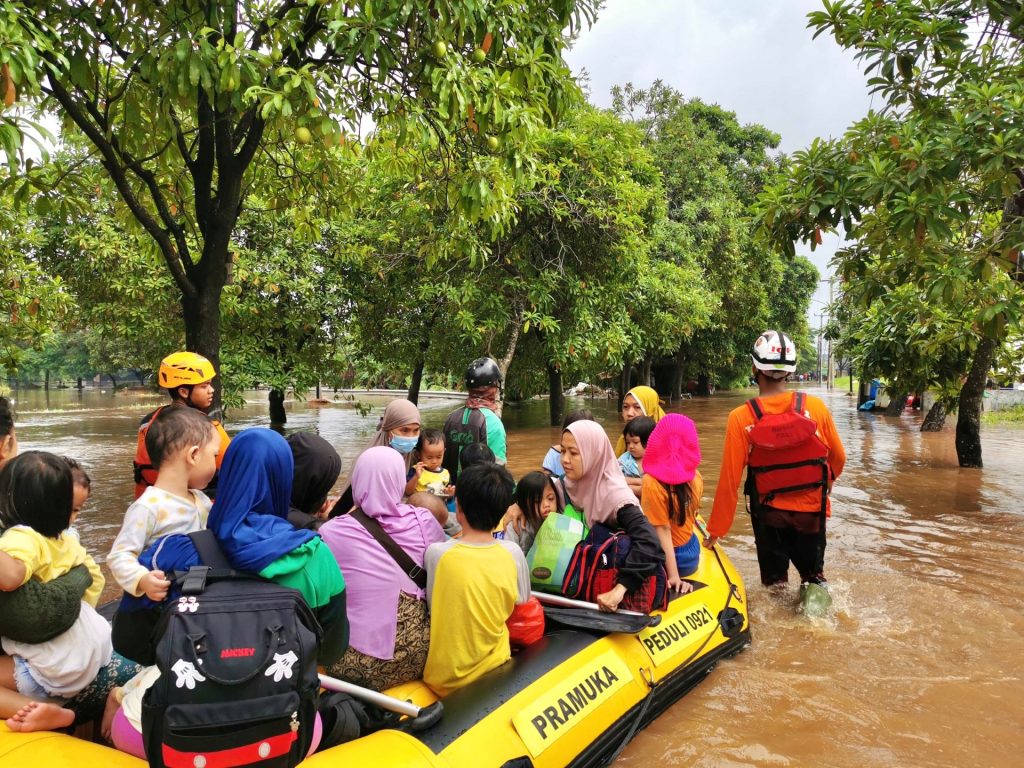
column 919, row 664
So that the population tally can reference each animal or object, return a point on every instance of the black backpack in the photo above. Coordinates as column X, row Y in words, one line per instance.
column 238, row 681
column 464, row 426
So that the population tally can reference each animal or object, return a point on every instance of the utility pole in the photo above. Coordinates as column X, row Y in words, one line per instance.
column 818, row 371
column 830, row 373
column 828, row 380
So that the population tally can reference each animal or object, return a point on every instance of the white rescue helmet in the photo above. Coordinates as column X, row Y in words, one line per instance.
column 774, row 353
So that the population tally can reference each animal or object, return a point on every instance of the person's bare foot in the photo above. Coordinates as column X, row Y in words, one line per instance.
column 40, row 716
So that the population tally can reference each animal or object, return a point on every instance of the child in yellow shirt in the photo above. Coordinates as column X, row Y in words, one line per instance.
column 36, row 493
column 427, row 474
column 476, row 581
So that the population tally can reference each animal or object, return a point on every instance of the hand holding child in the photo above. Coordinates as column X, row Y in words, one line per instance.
column 155, row 585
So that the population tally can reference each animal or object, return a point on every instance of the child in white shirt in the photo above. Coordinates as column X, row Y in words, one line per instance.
column 182, row 445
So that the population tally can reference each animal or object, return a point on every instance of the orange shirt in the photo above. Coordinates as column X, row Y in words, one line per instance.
column 737, row 449
column 654, row 501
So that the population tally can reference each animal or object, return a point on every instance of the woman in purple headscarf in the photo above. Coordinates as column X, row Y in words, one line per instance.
column 387, row 614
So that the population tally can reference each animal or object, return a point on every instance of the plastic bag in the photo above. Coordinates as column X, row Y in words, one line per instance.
column 551, row 551
column 526, row 624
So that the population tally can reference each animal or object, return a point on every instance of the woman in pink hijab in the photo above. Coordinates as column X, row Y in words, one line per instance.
column 596, row 486
column 387, row 612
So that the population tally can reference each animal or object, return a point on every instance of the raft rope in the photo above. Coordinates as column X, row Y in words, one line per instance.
column 734, row 591
column 649, row 676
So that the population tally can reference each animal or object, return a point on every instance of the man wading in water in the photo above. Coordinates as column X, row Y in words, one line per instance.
column 793, row 453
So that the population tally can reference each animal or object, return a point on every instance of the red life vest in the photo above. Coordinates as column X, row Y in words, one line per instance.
column 145, row 472
column 786, row 453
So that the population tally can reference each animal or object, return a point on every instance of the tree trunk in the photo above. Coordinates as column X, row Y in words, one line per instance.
column 417, row 374
column 969, row 406
column 417, row 380
column 936, row 418
column 703, row 385
column 645, row 371
column 624, row 382
column 201, row 310
column 318, row 388
column 897, row 401
column 968, row 422
column 556, row 400
column 676, row 392
column 46, row 380
column 513, row 340
column 80, row 385
column 278, row 417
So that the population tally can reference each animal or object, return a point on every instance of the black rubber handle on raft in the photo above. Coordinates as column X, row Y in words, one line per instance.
column 427, row 718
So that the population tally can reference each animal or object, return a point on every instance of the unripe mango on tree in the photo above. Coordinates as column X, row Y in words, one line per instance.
column 303, row 135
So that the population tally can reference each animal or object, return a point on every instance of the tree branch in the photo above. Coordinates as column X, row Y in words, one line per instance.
column 112, row 163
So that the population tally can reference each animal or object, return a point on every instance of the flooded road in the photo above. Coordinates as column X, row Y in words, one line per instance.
column 919, row 665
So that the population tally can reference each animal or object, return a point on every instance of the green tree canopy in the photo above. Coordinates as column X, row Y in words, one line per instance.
column 713, row 167
column 191, row 105
column 930, row 188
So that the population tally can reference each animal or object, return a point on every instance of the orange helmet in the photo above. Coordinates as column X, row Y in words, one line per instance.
column 183, row 369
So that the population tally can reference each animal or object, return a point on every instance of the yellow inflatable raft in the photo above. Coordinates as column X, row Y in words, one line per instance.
column 571, row 699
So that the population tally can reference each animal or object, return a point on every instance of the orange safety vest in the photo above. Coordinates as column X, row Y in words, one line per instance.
column 786, row 453
column 145, row 472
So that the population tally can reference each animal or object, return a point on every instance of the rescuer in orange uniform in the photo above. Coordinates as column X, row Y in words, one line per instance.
column 789, row 444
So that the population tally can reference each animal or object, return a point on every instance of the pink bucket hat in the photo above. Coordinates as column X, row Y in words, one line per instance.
column 673, row 450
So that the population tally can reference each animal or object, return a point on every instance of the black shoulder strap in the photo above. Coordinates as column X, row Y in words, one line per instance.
column 399, row 555
column 755, row 405
column 566, row 500
column 798, row 402
column 209, row 549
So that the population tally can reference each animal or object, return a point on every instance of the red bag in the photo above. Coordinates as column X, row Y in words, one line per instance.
column 526, row 624
column 594, row 570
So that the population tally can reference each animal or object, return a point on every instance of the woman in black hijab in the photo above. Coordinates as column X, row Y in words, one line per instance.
column 317, row 466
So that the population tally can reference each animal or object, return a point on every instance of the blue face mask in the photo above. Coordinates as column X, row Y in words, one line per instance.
column 403, row 444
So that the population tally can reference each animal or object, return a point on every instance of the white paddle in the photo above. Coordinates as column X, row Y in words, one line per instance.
column 390, row 703
column 568, row 602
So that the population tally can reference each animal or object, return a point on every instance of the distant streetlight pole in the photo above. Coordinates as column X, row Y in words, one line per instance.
column 818, row 371
column 828, row 384
column 821, row 332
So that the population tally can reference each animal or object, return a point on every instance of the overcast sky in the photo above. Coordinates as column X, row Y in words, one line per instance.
column 753, row 57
